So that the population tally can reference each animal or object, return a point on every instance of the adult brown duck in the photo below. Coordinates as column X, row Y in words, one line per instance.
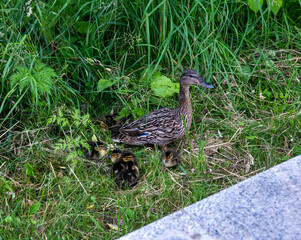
column 163, row 125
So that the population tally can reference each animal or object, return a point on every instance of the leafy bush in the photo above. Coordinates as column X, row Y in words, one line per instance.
column 272, row 5
column 39, row 80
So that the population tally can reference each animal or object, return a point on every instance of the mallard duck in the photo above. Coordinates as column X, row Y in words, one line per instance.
column 97, row 150
column 163, row 125
column 125, row 170
column 170, row 158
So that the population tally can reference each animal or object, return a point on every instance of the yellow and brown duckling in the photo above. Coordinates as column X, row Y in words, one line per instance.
column 111, row 119
column 115, row 120
column 170, row 158
column 111, row 122
column 114, row 123
column 125, row 170
column 116, row 155
column 97, row 150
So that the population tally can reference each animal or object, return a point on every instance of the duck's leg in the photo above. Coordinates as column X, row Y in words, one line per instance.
column 149, row 147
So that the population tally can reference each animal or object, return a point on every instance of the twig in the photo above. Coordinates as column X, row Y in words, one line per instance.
column 16, row 183
column 172, row 178
column 78, row 180
column 55, row 176
column 9, row 129
column 30, row 143
column 290, row 151
column 258, row 170
column 2, row 165
column 217, row 145
column 234, row 174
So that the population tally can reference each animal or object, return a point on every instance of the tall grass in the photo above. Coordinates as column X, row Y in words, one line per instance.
column 248, row 123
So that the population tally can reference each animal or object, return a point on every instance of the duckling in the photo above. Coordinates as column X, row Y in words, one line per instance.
column 116, row 155
column 114, row 123
column 97, row 150
column 125, row 170
column 100, row 120
column 113, row 120
column 110, row 119
column 170, row 158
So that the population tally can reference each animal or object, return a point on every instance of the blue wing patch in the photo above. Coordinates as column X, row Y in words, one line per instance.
column 144, row 134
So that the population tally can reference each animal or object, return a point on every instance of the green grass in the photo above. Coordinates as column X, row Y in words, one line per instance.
column 248, row 123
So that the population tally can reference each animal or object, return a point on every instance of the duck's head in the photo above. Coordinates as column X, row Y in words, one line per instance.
column 128, row 157
column 190, row 77
column 116, row 155
column 99, row 147
column 170, row 158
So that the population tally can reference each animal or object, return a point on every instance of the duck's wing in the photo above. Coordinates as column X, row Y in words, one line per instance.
column 160, row 120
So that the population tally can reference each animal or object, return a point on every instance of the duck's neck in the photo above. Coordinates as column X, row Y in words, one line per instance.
column 185, row 104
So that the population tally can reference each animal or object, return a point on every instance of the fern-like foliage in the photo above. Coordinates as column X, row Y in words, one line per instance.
column 39, row 79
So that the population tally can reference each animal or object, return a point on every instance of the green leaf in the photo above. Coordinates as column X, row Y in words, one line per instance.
column 34, row 208
column 245, row 72
column 147, row 73
column 124, row 113
column 255, row 5
column 275, row 5
column 164, row 87
column 6, row 186
column 139, row 112
column 39, row 79
column 93, row 199
column 8, row 219
column 104, row 83
column 82, row 27
column 29, row 170
column 130, row 213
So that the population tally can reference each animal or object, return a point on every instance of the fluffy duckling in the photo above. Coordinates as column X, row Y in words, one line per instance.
column 113, row 120
column 170, row 158
column 116, row 155
column 114, row 123
column 125, row 170
column 97, row 150
column 110, row 122
column 110, row 119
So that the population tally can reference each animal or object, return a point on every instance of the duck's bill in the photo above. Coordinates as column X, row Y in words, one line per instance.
column 205, row 84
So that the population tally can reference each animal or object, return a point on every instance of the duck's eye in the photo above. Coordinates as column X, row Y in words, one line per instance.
column 116, row 155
